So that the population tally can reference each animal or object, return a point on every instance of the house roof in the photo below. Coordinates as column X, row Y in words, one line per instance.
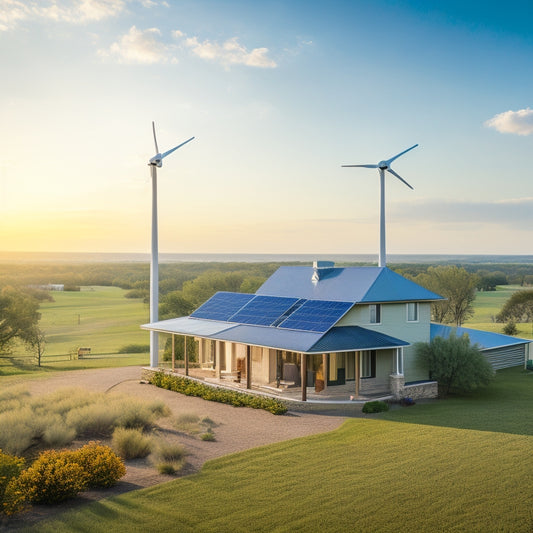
column 485, row 339
column 349, row 284
column 337, row 339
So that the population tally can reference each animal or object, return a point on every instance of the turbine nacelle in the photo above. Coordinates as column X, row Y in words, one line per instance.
column 157, row 160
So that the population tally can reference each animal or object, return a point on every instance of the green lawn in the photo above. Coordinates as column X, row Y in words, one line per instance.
column 96, row 317
column 488, row 304
column 411, row 469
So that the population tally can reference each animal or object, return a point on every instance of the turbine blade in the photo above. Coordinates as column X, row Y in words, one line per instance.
column 175, row 148
column 363, row 166
column 155, row 139
column 401, row 153
column 399, row 177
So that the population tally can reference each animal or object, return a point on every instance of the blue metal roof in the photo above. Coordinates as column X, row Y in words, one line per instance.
column 351, row 338
column 485, row 339
column 349, row 284
column 338, row 339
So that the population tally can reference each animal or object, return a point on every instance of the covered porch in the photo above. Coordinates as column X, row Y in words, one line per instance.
column 353, row 375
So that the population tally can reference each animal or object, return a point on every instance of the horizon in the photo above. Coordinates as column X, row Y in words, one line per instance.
column 278, row 96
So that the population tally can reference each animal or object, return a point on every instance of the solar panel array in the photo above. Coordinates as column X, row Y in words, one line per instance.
column 316, row 315
column 222, row 306
column 286, row 313
column 263, row 310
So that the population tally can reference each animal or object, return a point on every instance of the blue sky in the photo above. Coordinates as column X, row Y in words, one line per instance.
column 278, row 95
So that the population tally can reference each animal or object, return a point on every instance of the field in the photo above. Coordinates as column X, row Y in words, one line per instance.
column 99, row 318
column 412, row 469
column 488, row 304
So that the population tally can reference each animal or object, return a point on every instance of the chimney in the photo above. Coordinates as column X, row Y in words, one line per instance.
column 321, row 269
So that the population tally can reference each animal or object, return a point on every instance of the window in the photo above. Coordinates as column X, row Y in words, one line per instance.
column 412, row 312
column 375, row 313
column 368, row 364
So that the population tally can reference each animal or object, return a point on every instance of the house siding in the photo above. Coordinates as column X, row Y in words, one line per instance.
column 394, row 323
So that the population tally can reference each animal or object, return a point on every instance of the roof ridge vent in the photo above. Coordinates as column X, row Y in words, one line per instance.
column 320, row 269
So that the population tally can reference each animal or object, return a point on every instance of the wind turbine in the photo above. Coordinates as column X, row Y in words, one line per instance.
column 154, row 163
column 383, row 166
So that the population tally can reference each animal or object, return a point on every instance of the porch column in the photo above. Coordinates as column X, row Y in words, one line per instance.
column 401, row 360
column 218, row 360
column 325, row 359
column 186, row 356
column 248, row 367
column 304, row 376
column 173, row 354
column 357, row 372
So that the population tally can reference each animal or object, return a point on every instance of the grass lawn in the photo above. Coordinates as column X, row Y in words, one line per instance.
column 488, row 304
column 411, row 469
column 96, row 317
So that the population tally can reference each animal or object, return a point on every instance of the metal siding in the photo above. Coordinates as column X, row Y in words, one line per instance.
column 506, row 357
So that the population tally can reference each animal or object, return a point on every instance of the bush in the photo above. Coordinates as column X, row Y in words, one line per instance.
column 170, row 452
column 102, row 466
column 134, row 348
column 510, row 328
column 237, row 399
column 131, row 443
column 376, row 406
column 455, row 364
column 52, row 478
column 11, row 466
column 208, row 436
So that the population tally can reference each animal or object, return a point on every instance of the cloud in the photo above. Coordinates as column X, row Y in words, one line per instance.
column 230, row 52
column 139, row 47
column 517, row 213
column 72, row 11
column 518, row 122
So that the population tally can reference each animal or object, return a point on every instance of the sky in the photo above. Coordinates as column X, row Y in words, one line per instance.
column 278, row 95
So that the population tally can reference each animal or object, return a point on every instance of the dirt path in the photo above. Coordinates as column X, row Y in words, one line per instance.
column 237, row 428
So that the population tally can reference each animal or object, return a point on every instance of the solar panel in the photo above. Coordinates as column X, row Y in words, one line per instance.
column 222, row 305
column 316, row 315
column 263, row 310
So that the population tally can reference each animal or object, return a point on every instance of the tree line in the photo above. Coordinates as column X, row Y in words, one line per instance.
column 185, row 286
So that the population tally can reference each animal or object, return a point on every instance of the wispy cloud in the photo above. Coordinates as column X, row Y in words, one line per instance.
column 515, row 212
column 518, row 122
column 229, row 52
column 139, row 47
column 12, row 12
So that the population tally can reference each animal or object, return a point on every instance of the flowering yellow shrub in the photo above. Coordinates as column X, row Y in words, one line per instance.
column 102, row 466
column 52, row 478
column 11, row 500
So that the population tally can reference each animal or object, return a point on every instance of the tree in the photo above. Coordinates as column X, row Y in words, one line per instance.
column 519, row 307
column 18, row 316
column 36, row 340
column 458, row 287
column 455, row 364
column 489, row 280
column 510, row 328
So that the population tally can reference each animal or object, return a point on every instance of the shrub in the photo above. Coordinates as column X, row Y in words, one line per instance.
column 96, row 419
column 510, row 328
column 52, row 478
column 170, row 452
column 170, row 469
column 131, row 443
column 455, row 364
column 16, row 434
column 58, row 434
column 102, row 466
column 134, row 348
column 237, row 399
column 208, row 436
column 376, row 406
column 11, row 466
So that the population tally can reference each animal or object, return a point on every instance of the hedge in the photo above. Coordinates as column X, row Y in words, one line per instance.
column 237, row 399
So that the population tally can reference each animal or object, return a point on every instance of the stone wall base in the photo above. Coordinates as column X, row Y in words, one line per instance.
column 418, row 391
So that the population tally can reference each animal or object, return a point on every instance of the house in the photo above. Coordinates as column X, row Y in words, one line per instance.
column 345, row 329
column 320, row 326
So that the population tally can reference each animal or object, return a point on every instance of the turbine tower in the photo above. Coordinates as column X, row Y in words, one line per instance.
column 383, row 166
column 154, row 163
